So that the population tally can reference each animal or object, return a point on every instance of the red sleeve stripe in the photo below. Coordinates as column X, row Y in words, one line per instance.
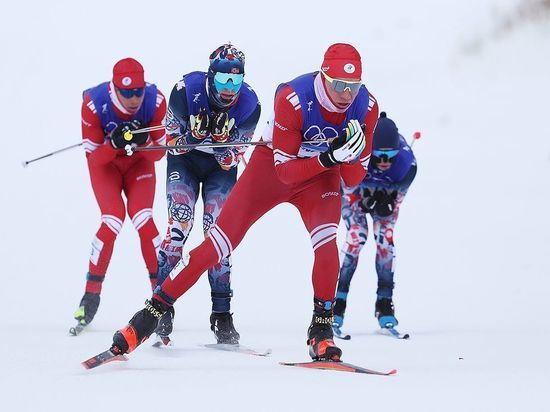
column 91, row 106
column 280, row 157
column 294, row 101
column 365, row 161
column 372, row 101
column 160, row 99
column 89, row 146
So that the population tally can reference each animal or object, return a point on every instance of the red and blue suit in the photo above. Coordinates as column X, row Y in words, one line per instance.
column 396, row 181
column 287, row 170
column 210, row 171
column 112, row 172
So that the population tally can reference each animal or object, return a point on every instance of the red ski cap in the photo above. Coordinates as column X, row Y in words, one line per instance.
column 342, row 61
column 128, row 74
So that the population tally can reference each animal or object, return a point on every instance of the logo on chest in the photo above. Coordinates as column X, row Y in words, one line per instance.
column 315, row 132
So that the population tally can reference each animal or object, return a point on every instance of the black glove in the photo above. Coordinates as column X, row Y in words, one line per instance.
column 221, row 126
column 200, row 124
column 120, row 136
column 386, row 203
column 369, row 200
column 347, row 147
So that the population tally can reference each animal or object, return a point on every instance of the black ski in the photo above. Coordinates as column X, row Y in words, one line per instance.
column 339, row 334
column 102, row 358
column 337, row 366
column 395, row 333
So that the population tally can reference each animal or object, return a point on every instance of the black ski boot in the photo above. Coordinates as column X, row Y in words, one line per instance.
column 385, row 313
column 339, row 311
column 221, row 323
column 87, row 308
column 320, row 342
column 166, row 323
column 140, row 327
column 165, row 327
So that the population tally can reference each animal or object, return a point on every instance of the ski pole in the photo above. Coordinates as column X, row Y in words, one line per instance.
column 130, row 149
column 416, row 136
column 147, row 129
column 27, row 162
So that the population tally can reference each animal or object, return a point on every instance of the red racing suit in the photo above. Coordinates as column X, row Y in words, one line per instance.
column 113, row 172
column 275, row 174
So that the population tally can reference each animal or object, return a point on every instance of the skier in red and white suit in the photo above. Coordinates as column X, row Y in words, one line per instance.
column 315, row 106
column 108, row 110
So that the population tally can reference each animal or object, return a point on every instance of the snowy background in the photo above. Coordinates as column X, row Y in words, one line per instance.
column 472, row 240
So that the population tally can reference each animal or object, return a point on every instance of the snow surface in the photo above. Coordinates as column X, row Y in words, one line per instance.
column 472, row 238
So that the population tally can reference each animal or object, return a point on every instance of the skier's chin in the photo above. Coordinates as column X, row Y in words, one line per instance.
column 342, row 106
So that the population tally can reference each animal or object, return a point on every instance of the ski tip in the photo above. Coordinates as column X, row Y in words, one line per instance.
column 392, row 372
column 75, row 330
column 343, row 337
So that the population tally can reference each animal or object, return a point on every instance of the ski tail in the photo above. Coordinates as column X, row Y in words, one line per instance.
column 338, row 366
column 103, row 358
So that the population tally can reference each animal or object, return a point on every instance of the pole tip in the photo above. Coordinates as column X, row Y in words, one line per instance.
column 24, row 163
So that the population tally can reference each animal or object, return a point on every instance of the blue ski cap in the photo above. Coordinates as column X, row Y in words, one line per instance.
column 386, row 134
column 229, row 60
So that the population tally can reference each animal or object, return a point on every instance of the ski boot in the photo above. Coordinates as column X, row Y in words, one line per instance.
column 338, row 322
column 140, row 327
column 85, row 312
column 385, row 313
column 321, row 345
column 165, row 326
column 339, row 311
column 221, row 323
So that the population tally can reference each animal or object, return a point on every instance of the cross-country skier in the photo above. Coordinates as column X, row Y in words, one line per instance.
column 392, row 169
column 217, row 106
column 109, row 110
column 329, row 104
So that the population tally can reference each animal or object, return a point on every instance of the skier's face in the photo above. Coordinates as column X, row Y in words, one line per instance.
column 341, row 92
column 383, row 158
column 131, row 101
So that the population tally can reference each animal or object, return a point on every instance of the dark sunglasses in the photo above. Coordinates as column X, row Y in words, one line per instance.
column 340, row 86
column 129, row 93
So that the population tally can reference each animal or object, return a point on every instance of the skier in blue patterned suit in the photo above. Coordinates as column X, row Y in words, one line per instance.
column 217, row 106
column 391, row 171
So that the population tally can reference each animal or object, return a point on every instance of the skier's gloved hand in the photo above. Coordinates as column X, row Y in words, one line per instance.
column 370, row 200
column 386, row 203
column 138, row 138
column 200, row 124
column 345, row 148
column 221, row 126
column 122, row 135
